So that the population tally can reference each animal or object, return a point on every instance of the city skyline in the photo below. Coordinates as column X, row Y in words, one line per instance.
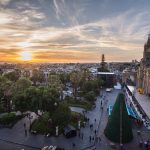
column 70, row 31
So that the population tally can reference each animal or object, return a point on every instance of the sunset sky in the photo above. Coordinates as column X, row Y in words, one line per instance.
column 73, row 30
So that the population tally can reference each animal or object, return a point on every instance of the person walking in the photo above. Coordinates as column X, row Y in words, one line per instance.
column 99, row 139
column 82, row 136
column 25, row 132
column 90, row 139
column 24, row 125
column 101, row 103
column 96, row 139
column 73, row 145
column 79, row 134
column 95, row 131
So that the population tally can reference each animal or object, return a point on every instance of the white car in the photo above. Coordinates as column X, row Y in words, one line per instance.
column 49, row 147
column 108, row 90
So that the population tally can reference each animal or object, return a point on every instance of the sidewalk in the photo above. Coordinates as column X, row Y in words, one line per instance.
column 144, row 101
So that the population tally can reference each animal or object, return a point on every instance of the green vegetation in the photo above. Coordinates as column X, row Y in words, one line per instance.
column 62, row 115
column 78, row 103
column 23, row 94
column 75, row 117
column 9, row 119
column 46, row 124
column 42, row 125
column 112, row 130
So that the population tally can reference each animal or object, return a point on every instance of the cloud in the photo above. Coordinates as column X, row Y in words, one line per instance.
column 4, row 2
column 118, row 35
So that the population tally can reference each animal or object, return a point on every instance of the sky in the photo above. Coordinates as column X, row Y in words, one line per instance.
column 77, row 31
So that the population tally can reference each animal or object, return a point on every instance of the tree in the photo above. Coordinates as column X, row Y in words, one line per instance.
column 75, row 80
column 13, row 76
column 119, row 121
column 90, row 96
column 21, row 102
column 91, row 85
column 37, row 76
column 7, row 94
column 34, row 99
column 22, row 84
column 62, row 115
column 55, row 82
column 3, row 81
column 26, row 73
column 64, row 78
column 85, row 76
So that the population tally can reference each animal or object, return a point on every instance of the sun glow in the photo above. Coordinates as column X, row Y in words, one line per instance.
column 24, row 44
column 26, row 55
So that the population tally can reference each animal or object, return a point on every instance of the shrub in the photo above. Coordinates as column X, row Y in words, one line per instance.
column 8, row 119
column 41, row 125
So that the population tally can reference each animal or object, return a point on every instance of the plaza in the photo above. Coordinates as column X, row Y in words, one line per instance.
column 13, row 139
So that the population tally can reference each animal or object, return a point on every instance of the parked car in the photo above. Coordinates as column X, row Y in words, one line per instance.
column 70, row 131
column 49, row 147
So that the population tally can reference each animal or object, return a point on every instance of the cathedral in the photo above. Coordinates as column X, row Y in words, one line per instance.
column 143, row 73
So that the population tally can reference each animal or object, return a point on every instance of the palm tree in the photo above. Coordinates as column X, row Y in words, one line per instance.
column 75, row 78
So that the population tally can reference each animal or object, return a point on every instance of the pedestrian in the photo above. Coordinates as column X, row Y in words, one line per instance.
column 93, row 138
column 24, row 125
column 91, row 126
column 96, row 139
column 82, row 136
column 90, row 138
column 73, row 145
column 99, row 139
column 101, row 103
column 95, row 131
column 79, row 134
column 95, row 119
column 25, row 132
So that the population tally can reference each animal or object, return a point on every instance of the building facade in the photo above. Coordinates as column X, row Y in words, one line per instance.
column 143, row 74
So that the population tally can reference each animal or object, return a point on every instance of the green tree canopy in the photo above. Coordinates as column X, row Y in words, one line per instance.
column 62, row 115
column 22, row 84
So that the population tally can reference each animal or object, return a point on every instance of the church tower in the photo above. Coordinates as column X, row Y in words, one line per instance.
column 146, row 53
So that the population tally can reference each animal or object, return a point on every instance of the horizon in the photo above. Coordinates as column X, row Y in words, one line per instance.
column 52, row 31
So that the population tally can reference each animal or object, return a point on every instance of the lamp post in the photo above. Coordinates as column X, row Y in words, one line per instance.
column 79, row 124
column 56, row 130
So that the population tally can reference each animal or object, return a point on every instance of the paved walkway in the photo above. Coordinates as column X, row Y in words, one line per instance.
column 144, row 101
